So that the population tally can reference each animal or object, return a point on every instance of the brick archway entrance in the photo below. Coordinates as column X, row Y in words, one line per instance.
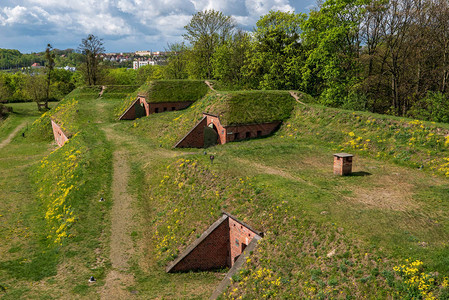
column 210, row 135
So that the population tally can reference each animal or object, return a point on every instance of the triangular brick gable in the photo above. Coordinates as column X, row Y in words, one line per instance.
column 125, row 115
column 219, row 246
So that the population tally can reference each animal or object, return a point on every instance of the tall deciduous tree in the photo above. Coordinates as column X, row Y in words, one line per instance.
column 230, row 58
column 35, row 88
column 331, row 36
column 49, row 66
column 277, row 54
column 177, row 61
column 91, row 47
column 206, row 30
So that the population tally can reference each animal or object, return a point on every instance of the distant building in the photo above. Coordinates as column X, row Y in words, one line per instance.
column 36, row 65
column 143, row 53
column 140, row 63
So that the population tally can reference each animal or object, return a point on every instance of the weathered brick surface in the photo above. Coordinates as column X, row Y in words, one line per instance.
column 59, row 135
column 219, row 246
column 236, row 133
column 151, row 108
column 211, row 253
column 195, row 137
column 239, row 237
column 342, row 165
column 167, row 106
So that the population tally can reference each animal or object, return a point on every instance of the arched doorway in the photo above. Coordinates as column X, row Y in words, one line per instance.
column 140, row 109
column 210, row 135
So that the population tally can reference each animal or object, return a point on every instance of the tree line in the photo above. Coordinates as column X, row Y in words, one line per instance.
column 384, row 56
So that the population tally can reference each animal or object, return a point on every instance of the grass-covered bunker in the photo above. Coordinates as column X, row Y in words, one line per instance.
column 239, row 115
column 219, row 246
column 164, row 95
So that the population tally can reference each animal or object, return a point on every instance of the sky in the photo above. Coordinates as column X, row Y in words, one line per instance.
column 124, row 25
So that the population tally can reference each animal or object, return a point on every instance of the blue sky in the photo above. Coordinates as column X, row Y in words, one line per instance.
column 124, row 25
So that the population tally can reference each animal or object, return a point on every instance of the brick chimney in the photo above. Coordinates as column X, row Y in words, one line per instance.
column 342, row 164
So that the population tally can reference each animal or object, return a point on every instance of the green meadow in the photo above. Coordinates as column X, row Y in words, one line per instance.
column 380, row 233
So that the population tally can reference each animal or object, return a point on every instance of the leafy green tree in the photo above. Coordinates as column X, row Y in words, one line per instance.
column 206, row 31
column 177, row 61
column 120, row 76
column 35, row 88
column 331, row 38
column 91, row 47
column 49, row 67
column 276, row 55
column 229, row 59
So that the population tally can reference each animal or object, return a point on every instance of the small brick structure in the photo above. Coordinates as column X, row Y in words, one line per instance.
column 197, row 137
column 219, row 246
column 60, row 137
column 141, row 108
column 343, row 164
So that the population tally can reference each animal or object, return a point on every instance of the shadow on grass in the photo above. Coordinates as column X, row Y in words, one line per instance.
column 360, row 173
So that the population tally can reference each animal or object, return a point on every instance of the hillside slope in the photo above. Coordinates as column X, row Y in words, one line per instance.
column 381, row 233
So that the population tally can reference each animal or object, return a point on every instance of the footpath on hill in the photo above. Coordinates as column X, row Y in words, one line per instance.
column 12, row 135
column 121, row 245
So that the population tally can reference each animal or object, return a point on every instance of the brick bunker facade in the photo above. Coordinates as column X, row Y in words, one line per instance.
column 226, row 134
column 151, row 108
column 60, row 136
column 218, row 247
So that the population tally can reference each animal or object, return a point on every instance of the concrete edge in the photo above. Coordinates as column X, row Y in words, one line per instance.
column 241, row 261
column 184, row 137
column 196, row 243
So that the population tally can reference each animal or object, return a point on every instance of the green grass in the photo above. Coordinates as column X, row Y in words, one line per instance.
column 289, row 192
column 325, row 236
column 252, row 107
column 173, row 90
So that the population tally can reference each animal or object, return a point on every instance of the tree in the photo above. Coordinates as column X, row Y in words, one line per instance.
column 177, row 61
column 229, row 59
column 206, row 30
column 277, row 53
column 331, row 37
column 49, row 66
column 91, row 47
column 36, row 89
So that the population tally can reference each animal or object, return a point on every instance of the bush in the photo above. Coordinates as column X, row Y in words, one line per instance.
column 433, row 107
column 4, row 111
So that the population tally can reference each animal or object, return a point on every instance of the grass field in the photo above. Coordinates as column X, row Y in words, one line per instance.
column 325, row 236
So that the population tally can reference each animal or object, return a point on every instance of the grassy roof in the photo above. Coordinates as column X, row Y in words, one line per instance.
column 173, row 90
column 252, row 107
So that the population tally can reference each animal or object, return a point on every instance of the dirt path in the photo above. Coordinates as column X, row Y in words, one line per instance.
column 121, row 244
column 12, row 135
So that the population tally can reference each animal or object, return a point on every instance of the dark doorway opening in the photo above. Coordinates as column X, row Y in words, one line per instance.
column 236, row 136
column 259, row 133
column 165, row 109
column 156, row 110
column 248, row 135
column 173, row 108
column 140, row 110
column 210, row 136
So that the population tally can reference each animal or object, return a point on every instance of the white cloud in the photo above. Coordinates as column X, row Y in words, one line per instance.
column 103, row 24
column 155, row 22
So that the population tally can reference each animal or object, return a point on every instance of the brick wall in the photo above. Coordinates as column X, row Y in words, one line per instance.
column 195, row 137
column 236, row 133
column 167, row 106
column 211, row 253
column 59, row 135
column 220, row 129
column 239, row 237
